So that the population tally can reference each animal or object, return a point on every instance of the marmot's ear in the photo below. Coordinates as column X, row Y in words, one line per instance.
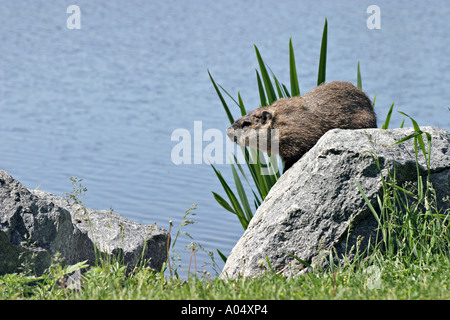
column 265, row 116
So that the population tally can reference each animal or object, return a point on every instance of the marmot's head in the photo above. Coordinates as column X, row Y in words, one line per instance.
column 263, row 128
column 255, row 130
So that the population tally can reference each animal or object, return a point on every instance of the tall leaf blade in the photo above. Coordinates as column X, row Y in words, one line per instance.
column 236, row 162
column 358, row 78
column 411, row 136
column 374, row 99
column 374, row 212
column 323, row 56
column 225, row 106
column 279, row 87
column 233, row 200
column 271, row 96
column 229, row 95
column 254, row 171
column 262, row 94
column 288, row 95
column 222, row 256
column 241, row 105
column 223, row 202
column 295, row 88
column 388, row 118
column 242, row 195
column 419, row 137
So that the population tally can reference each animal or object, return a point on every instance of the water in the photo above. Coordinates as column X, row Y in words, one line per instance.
column 102, row 102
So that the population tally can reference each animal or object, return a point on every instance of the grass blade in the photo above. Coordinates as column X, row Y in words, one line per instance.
column 242, row 195
column 256, row 167
column 229, row 95
column 233, row 200
column 358, row 78
column 222, row 256
column 262, row 94
column 225, row 106
column 223, row 202
column 323, row 56
column 388, row 117
column 368, row 202
column 271, row 96
column 241, row 105
column 295, row 89
column 279, row 87
column 288, row 95
column 303, row 262
column 421, row 143
column 413, row 135
column 419, row 137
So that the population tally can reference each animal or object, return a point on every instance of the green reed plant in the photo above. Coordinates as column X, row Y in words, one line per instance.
column 270, row 90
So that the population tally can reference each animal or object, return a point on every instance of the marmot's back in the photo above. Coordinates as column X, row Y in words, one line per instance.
column 345, row 101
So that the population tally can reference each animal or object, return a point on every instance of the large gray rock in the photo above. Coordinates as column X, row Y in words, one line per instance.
column 35, row 225
column 308, row 211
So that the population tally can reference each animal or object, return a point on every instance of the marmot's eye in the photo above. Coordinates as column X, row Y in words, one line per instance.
column 246, row 123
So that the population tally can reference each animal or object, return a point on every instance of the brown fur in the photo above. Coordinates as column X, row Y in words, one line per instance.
column 301, row 121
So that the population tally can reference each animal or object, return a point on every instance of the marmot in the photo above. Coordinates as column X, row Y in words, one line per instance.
column 301, row 121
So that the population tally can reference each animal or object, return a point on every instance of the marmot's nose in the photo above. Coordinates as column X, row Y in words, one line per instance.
column 231, row 134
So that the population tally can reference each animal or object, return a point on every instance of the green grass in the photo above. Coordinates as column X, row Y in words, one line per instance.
column 390, row 280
